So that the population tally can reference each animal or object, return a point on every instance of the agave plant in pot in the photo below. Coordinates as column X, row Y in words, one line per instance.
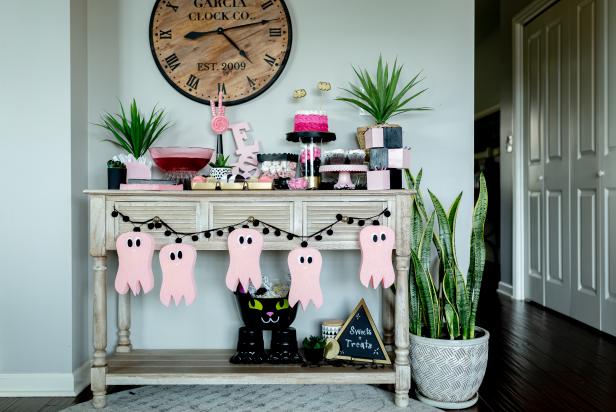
column 135, row 134
column 220, row 169
column 383, row 97
column 449, row 354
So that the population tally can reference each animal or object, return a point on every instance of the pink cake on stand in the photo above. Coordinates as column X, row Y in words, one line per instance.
column 310, row 121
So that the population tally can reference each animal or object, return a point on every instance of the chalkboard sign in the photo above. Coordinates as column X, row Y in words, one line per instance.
column 359, row 339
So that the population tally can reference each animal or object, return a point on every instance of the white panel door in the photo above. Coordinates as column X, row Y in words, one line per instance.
column 585, row 199
column 557, row 159
column 547, row 153
column 607, row 179
column 534, row 83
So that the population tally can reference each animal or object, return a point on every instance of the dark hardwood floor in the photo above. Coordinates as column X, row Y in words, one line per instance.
column 539, row 361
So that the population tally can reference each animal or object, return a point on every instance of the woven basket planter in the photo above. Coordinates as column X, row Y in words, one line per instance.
column 448, row 373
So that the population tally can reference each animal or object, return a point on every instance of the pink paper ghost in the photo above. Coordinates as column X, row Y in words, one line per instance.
column 377, row 244
column 245, row 247
column 305, row 267
column 178, row 264
column 135, row 251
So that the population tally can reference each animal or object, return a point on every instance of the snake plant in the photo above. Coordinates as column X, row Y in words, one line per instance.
column 381, row 95
column 452, row 302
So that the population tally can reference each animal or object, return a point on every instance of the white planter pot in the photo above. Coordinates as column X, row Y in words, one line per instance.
column 448, row 373
column 220, row 173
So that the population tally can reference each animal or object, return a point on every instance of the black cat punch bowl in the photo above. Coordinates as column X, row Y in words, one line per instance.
column 259, row 314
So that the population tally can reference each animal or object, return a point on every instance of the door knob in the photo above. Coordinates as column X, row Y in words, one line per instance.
column 540, row 178
column 601, row 173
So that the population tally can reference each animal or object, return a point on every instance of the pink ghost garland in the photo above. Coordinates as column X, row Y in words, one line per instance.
column 247, row 163
column 177, row 262
column 135, row 252
column 305, row 266
column 245, row 247
column 377, row 244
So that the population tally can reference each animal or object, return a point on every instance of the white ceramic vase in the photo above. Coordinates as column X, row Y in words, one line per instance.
column 448, row 373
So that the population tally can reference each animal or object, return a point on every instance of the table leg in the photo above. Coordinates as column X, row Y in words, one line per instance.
column 402, row 364
column 124, row 345
column 387, row 318
column 99, row 361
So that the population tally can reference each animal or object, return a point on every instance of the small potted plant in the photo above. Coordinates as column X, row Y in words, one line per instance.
column 314, row 348
column 449, row 354
column 116, row 174
column 135, row 134
column 220, row 169
column 383, row 97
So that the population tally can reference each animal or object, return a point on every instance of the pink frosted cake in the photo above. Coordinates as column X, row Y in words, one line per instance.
column 310, row 121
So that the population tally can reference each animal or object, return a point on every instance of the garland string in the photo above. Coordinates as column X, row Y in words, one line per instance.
column 158, row 223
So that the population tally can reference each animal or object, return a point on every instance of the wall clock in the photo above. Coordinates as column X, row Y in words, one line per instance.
column 237, row 46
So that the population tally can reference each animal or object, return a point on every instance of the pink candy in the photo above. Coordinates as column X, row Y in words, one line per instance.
column 306, row 154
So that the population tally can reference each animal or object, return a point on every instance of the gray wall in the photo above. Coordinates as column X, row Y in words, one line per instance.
column 488, row 73
column 436, row 36
column 43, row 214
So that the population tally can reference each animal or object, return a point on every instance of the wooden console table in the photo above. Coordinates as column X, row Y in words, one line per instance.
column 299, row 212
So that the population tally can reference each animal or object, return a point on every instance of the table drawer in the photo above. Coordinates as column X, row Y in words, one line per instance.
column 279, row 214
column 317, row 215
column 182, row 216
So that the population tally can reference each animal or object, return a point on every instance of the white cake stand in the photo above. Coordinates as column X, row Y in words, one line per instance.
column 344, row 176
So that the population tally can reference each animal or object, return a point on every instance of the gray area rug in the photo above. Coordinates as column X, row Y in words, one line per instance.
column 253, row 398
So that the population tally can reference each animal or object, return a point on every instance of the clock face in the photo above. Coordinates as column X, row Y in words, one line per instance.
column 239, row 47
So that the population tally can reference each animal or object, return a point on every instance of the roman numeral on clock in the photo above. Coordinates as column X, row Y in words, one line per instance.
column 251, row 82
column 175, row 8
column 173, row 62
column 165, row 34
column 275, row 32
column 193, row 82
column 270, row 60
column 222, row 88
column 267, row 4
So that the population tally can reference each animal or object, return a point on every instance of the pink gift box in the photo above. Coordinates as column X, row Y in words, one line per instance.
column 399, row 158
column 374, row 137
column 378, row 180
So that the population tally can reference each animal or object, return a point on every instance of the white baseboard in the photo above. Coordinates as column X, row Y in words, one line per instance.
column 45, row 384
column 505, row 289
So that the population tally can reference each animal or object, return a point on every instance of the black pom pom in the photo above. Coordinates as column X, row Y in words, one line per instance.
column 158, row 225
column 387, row 213
column 150, row 226
column 361, row 222
column 195, row 238
column 114, row 213
column 277, row 232
column 265, row 231
column 167, row 233
column 318, row 238
column 126, row 218
column 338, row 217
column 220, row 233
column 245, row 226
column 376, row 222
column 136, row 229
column 208, row 235
column 178, row 240
column 231, row 229
column 304, row 244
column 290, row 236
column 330, row 232
column 255, row 223
column 350, row 221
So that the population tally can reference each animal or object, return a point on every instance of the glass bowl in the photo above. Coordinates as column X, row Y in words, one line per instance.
column 181, row 160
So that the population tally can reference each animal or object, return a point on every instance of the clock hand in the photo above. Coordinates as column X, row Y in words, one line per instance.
column 242, row 52
column 193, row 35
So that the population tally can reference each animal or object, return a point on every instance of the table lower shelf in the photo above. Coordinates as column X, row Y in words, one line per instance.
column 212, row 367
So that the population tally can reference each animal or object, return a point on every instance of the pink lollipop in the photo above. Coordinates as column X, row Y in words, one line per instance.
column 219, row 122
